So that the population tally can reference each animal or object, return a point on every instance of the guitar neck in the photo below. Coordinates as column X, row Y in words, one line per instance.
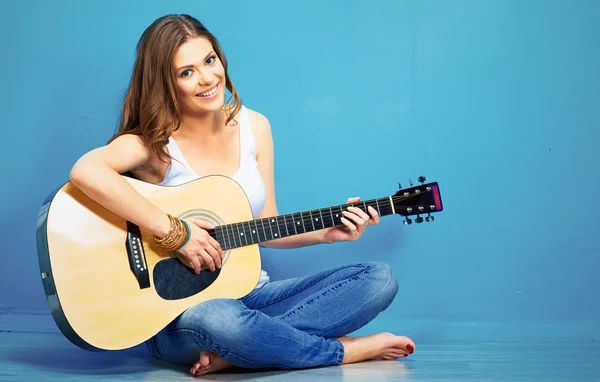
column 250, row 232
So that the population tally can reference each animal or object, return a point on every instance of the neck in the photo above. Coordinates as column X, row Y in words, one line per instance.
column 201, row 124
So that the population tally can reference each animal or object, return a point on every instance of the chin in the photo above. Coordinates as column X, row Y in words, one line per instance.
column 207, row 107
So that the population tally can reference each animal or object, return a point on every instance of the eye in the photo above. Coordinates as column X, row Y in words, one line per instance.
column 211, row 60
column 186, row 73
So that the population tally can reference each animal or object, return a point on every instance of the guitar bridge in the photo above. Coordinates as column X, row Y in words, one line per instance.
column 136, row 255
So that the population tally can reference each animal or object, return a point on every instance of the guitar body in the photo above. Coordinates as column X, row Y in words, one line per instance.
column 93, row 293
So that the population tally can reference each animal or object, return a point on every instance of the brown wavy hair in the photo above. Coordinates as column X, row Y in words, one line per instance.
column 151, row 106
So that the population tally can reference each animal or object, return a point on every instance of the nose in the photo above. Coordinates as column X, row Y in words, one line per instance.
column 205, row 77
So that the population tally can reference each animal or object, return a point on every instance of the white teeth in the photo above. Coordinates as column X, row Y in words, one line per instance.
column 209, row 93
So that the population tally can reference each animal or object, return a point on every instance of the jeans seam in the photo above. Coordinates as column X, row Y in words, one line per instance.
column 296, row 291
column 342, row 283
column 340, row 353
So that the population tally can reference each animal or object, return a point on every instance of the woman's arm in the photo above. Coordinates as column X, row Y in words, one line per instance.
column 97, row 174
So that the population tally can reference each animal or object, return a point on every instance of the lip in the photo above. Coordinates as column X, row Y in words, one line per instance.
column 209, row 89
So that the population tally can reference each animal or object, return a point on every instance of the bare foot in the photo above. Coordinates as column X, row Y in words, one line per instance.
column 377, row 346
column 209, row 363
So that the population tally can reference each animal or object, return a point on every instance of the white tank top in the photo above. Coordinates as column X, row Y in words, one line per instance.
column 247, row 176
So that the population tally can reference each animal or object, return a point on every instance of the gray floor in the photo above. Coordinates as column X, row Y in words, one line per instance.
column 50, row 357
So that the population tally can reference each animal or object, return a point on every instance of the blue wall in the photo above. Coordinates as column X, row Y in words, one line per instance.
column 496, row 100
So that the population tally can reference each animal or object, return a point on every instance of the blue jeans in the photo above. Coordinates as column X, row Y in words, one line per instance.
column 285, row 324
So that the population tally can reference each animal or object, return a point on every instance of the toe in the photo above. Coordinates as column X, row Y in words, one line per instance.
column 407, row 344
column 204, row 358
column 196, row 369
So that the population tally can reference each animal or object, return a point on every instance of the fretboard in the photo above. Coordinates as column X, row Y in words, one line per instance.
column 250, row 232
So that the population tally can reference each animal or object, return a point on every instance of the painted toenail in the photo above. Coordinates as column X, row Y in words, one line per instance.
column 410, row 348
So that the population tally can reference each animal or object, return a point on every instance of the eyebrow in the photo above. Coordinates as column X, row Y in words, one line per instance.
column 191, row 66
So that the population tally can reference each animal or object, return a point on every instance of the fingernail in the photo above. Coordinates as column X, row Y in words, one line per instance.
column 410, row 348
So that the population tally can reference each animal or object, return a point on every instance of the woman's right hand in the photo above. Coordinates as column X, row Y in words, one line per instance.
column 201, row 248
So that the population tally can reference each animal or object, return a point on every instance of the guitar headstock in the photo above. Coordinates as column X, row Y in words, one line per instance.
column 423, row 199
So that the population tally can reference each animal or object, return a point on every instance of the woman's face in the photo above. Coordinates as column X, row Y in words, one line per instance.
column 200, row 77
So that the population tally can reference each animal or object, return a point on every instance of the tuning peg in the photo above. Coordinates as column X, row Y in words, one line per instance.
column 399, row 186
column 407, row 221
column 411, row 183
column 419, row 219
column 429, row 218
column 422, row 179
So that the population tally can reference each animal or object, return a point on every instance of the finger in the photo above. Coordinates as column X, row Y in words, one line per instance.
column 207, row 259
column 374, row 215
column 203, row 224
column 360, row 213
column 348, row 224
column 195, row 263
column 353, row 200
column 214, row 254
column 215, row 244
column 355, row 218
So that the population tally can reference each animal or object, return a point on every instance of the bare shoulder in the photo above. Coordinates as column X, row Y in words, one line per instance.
column 260, row 124
column 127, row 152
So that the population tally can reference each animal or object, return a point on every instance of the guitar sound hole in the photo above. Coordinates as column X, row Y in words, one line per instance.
column 174, row 281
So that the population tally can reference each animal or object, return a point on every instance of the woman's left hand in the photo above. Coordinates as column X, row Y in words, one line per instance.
column 355, row 222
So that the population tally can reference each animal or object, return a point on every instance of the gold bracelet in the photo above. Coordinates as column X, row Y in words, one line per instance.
column 173, row 235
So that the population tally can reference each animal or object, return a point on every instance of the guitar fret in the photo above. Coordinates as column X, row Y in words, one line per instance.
column 270, row 228
column 219, row 240
column 322, row 222
column 275, row 234
column 286, row 227
column 302, row 220
column 318, row 222
column 239, row 235
column 276, row 221
column 247, row 235
column 224, row 245
column 294, row 224
column 281, row 220
column 378, row 210
column 311, row 220
column 233, row 235
column 243, row 240
column 263, row 230
column 255, row 232
column 243, row 234
column 325, row 219
column 339, row 215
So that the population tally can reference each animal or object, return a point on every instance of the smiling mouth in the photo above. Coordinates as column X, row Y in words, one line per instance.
column 209, row 93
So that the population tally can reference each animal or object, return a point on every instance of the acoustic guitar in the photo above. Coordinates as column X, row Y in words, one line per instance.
column 111, row 287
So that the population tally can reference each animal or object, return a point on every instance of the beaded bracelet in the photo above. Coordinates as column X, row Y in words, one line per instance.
column 187, row 235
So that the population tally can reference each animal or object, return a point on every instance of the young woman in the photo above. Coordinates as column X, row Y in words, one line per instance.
column 176, row 127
